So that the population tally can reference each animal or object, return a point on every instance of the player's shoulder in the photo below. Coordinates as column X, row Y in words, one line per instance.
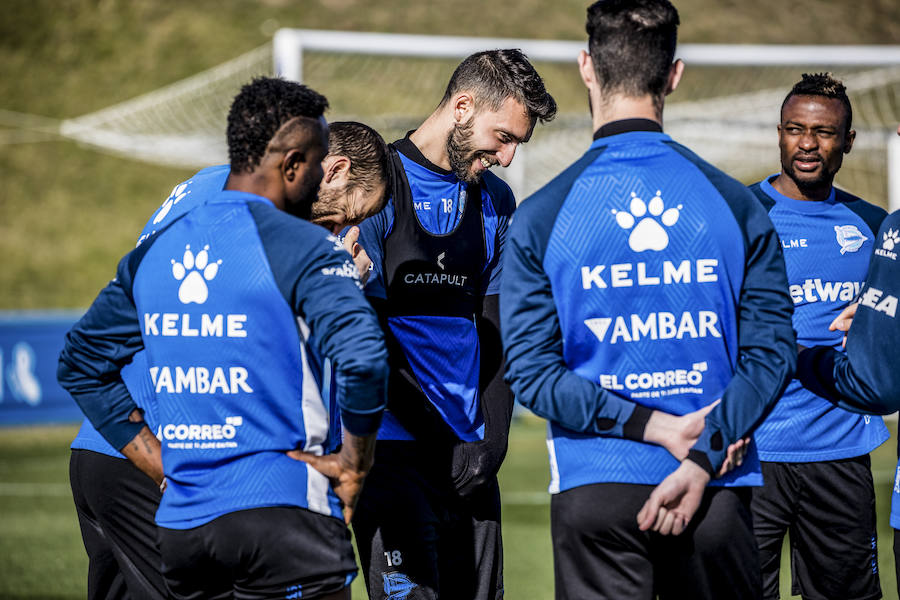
column 292, row 245
column 547, row 200
column 276, row 223
column 872, row 214
column 725, row 184
column 501, row 194
column 757, row 189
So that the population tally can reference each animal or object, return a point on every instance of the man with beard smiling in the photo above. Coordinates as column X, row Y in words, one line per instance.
column 428, row 524
column 816, row 466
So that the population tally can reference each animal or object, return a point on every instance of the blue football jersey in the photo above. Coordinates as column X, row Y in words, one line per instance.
column 231, row 303
column 631, row 281
column 184, row 197
column 827, row 246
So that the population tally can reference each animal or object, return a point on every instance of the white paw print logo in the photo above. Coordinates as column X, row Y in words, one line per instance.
column 891, row 239
column 648, row 234
column 179, row 192
column 193, row 272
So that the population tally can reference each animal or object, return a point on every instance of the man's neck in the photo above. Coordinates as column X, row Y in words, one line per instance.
column 256, row 183
column 625, row 107
column 431, row 139
column 786, row 186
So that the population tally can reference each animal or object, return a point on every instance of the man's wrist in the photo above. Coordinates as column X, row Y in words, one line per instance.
column 635, row 428
column 701, row 460
column 659, row 427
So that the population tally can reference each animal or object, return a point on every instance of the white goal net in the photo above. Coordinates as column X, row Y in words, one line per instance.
column 726, row 108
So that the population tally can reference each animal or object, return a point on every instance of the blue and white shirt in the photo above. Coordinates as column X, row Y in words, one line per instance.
column 185, row 196
column 827, row 246
column 231, row 301
column 643, row 278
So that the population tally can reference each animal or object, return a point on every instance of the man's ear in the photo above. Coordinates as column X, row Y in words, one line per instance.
column 337, row 168
column 292, row 162
column 463, row 107
column 675, row 73
column 586, row 68
column 848, row 141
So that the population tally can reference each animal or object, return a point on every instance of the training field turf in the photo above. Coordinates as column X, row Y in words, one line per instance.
column 42, row 555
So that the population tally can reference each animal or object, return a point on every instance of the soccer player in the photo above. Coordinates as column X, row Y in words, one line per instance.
column 428, row 521
column 115, row 502
column 644, row 281
column 818, row 480
column 866, row 379
column 237, row 302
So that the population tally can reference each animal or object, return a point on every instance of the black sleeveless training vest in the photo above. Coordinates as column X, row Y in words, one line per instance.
column 426, row 273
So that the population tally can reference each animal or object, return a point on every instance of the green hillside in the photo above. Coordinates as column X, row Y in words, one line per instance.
column 68, row 213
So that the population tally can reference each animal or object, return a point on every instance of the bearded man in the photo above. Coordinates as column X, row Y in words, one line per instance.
column 428, row 524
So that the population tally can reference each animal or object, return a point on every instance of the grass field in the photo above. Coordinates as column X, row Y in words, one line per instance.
column 43, row 559
column 67, row 213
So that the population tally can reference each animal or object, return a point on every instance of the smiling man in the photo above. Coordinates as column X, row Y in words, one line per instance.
column 428, row 525
column 818, row 480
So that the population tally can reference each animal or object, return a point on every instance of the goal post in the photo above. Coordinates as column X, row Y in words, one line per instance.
column 730, row 92
column 725, row 109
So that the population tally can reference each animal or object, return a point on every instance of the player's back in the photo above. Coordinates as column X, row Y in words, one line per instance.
column 184, row 197
column 645, row 246
column 228, row 362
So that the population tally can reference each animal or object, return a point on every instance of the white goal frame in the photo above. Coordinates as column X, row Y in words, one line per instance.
column 289, row 45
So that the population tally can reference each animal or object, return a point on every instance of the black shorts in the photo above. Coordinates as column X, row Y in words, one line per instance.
column 417, row 539
column 261, row 553
column 829, row 510
column 116, row 505
column 599, row 552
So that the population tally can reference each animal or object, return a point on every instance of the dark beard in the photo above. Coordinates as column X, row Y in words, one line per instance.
column 460, row 152
column 327, row 208
column 810, row 186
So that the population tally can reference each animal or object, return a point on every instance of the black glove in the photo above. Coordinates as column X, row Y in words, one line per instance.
column 474, row 464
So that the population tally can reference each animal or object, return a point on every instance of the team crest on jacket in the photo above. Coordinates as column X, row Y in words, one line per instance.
column 849, row 237
column 193, row 272
column 655, row 218
column 397, row 586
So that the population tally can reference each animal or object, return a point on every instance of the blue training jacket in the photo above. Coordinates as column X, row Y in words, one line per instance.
column 233, row 301
column 827, row 246
column 643, row 278
column 866, row 379
column 185, row 196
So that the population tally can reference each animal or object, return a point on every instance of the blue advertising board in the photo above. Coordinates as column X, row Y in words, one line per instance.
column 30, row 343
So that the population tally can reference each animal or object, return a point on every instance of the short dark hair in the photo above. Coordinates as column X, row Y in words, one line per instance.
column 259, row 110
column 632, row 45
column 822, row 84
column 366, row 150
column 495, row 75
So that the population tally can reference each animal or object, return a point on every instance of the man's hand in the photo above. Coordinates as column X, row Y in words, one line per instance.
column 842, row 321
column 358, row 254
column 145, row 451
column 346, row 470
column 735, row 456
column 673, row 502
column 474, row 464
column 677, row 434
